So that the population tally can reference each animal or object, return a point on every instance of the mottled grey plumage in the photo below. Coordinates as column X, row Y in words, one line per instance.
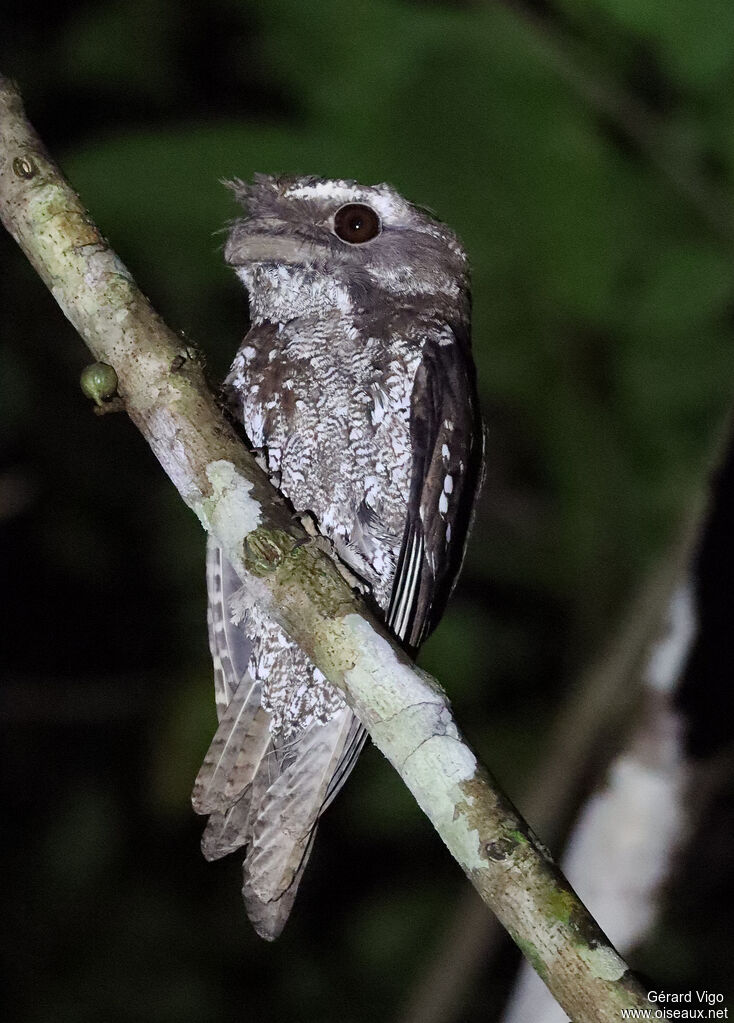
column 356, row 389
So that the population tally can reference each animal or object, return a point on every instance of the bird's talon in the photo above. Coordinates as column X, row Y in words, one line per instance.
column 306, row 520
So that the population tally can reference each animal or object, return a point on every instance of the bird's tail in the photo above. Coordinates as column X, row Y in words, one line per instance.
column 268, row 799
column 258, row 791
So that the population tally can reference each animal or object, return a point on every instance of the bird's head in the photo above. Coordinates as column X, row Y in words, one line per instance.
column 368, row 240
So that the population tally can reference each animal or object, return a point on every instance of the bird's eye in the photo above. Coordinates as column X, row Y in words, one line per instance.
column 356, row 223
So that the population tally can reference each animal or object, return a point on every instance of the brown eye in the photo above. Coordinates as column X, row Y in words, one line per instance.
column 355, row 223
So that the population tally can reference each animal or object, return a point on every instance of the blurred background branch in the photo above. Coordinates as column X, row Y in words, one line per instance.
column 641, row 127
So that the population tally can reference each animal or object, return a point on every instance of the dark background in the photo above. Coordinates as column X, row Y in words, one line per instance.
column 584, row 151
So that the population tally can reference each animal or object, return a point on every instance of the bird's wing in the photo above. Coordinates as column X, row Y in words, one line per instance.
column 446, row 444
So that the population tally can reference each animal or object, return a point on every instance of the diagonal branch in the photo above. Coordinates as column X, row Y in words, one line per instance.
column 405, row 711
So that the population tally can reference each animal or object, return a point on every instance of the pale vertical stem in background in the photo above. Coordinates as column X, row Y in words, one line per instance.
column 626, row 839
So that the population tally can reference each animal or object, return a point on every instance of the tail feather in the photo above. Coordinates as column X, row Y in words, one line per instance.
column 288, row 814
column 269, row 918
column 229, row 644
column 230, row 829
column 353, row 746
column 226, row 832
column 255, row 742
column 260, row 792
column 219, row 838
column 235, row 751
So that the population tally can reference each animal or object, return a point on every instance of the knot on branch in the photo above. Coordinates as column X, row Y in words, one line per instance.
column 265, row 550
column 24, row 167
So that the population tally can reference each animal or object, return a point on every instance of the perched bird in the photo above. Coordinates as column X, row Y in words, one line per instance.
column 356, row 389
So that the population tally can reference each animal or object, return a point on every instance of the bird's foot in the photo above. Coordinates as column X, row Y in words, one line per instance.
column 323, row 543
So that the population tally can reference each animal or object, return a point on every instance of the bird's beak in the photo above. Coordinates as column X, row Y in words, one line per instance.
column 253, row 241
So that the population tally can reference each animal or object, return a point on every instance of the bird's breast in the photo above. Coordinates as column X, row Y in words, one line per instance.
column 330, row 413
